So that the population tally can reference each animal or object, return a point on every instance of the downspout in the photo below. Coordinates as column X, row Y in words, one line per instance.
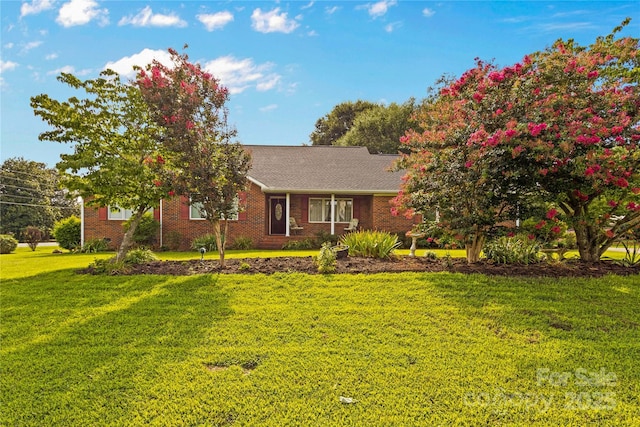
column 160, row 222
column 287, row 204
column 81, row 200
column 333, row 214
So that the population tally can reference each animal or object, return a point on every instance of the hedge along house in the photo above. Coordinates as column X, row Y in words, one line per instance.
column 292, row 193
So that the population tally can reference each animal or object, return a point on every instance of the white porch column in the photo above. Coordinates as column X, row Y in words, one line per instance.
column 333, row 214
column 287, row 205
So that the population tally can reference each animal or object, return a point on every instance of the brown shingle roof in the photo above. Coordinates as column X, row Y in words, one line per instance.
column 322, row 169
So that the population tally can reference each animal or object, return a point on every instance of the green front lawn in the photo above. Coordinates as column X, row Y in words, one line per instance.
column 411, row 349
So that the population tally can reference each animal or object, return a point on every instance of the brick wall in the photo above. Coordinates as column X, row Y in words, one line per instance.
column 383, row 220
column 372, row 211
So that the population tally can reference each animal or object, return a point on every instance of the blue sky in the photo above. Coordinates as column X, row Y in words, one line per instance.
column 286, row 63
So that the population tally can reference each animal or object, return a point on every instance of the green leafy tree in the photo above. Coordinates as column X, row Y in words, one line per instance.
column 30, row 196
column 188, row 104
column 67, row 233
column 117, row 158
column 330, row 128
column 380, row 128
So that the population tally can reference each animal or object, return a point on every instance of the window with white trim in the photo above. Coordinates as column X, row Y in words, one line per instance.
column 196, row 211
column 118, row 214
column 320, row 210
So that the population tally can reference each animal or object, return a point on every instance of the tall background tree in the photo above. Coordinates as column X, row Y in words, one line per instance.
column 561, row 126
column 380, row 128
column 30, row 196
column 330, row 128
column 188, row 104
column 117, row 159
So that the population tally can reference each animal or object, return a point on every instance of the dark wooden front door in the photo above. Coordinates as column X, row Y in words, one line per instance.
column 278, row 215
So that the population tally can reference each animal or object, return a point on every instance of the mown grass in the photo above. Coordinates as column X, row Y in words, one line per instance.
column 411, row 348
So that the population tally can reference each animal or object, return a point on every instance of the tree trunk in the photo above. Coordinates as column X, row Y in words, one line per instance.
column 127, row 239
column 220, row 233
column 588, row 242
column 474, row 247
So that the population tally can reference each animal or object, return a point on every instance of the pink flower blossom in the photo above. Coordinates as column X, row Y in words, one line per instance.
column 555, row 229
column 592, row 74
column 610, row 234
column 623, row 183
column 612, row 203
column 551, row 213
column 468, row 164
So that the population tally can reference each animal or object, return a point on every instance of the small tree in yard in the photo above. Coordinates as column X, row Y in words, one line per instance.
column 117, row 159
column 32, row 235
column 189, row 105
column 561, row 126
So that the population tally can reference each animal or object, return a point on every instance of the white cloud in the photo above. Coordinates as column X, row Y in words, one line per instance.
column 380, row 8
column 215, row 21
column 124, row 66
column 36, row 6
column 70, row 69
column 66, row 69
column 331, row 10
column 240, row 74
column 390, row 28
column 428, row 13
column 81, row 12
column 31, row 45
column 51, row 56
column 146, row 18
column 308, row 5
column 7, row 66
column 8, row 46
column 268, row 108
column 272, row 22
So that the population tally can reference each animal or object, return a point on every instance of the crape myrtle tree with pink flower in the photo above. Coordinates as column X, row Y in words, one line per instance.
column 561, row 126
column 188, row 110
column 116, row 159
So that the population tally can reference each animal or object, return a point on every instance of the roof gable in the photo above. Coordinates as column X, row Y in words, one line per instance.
column 322, row 169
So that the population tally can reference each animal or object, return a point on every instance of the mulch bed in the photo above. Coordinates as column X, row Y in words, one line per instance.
column 352, row 265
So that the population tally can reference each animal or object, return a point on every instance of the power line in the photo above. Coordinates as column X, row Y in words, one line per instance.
column 25, row 181
column 24, row 188
column 37, row 206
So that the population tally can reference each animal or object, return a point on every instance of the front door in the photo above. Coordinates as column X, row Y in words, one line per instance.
column 277, row 216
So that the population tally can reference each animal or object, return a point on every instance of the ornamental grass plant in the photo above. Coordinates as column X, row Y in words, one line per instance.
column 371, row 244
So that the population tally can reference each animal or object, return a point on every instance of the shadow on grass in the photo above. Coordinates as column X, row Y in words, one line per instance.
column 88, row 343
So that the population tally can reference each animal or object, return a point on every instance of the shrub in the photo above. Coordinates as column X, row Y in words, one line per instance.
column 430, row 255
column 299, row 244
column 208, row 241
column 519, row 249
column 95, row 245
column 7, row 244
column 146, row 231
column 326, row 259
column 32, row 235
column 67, row 233
column 549, row 232
column 243, row 243
column 172, row 240
column 107, row 266
column 323, row 237
column 139, row 256
column 373, row 244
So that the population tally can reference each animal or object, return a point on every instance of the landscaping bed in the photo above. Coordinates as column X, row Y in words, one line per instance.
column 354, row 265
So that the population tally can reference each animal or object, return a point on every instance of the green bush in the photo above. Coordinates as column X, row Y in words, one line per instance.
column 243, row 243
column 519, row 249
column 146, row 231
column 7, row 244
column 67, row 233
column 32, row 235
column 139, row 256
column 299, row 244
column 208, row 241
column 323, row 237
column 372, row 244
column 95, row 245
column 107, row 266
column 326, row 259
column 172, row 240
